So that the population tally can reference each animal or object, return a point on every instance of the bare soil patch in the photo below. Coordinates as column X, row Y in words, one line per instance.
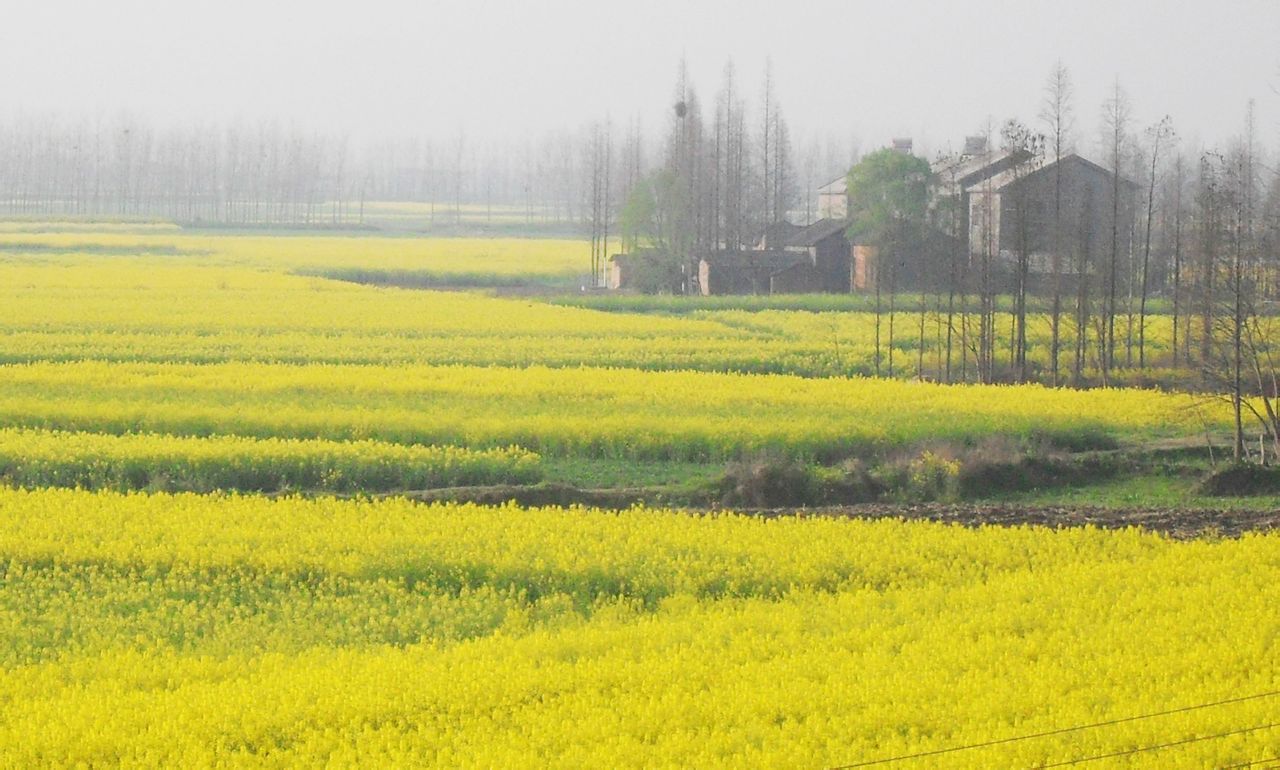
column 1174, row 522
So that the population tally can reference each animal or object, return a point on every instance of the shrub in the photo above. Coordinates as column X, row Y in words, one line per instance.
column 847, row 484
column 768, row 481
column 1242, row 480
column 928, row 475
column 933, row 476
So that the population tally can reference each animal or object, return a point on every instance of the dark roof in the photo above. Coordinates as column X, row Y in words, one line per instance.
column 966, row 170
column 837, row 186
column 639, row 255
column 940, row 240
column 778, row 233
column 1008, row 177
column 817, row 232
column 1124, row 180
column 771, row 259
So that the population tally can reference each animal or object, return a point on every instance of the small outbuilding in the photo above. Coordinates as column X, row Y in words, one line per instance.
column 756, row 271
column 647, row 271
column 776, row 235
column 829, row 252
column 789, row 260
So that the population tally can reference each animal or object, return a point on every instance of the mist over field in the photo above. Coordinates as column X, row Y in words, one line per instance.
column 502, row 70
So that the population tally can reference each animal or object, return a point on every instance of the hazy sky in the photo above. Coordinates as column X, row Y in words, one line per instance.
column 501, row 68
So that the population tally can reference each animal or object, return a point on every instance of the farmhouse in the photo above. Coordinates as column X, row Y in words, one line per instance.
column 776, row 235
column 1011, row 213
column 645, row 270
column 984, row 202
column 829, row 252
column 921, row 264
column 754, row 271
column 833, row 199
column 954, row 174
column 1005, row 205
column 788, row 259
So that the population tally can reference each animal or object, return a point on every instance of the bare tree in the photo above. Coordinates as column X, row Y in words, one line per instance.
column 1207, row 203
column 1085, row 260
column 1161, row 132
column 987, row 290
column 1025, row 149
column 1179, row 184
column 1057, row 114
column 783, row 173
column 595, row 205
column 1239, row 297
column 1115, row 121
column 767, row 133
column 598, row 276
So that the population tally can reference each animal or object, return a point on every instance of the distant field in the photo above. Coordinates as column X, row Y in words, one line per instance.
column 443, row 214
column 230, row 298
column 301, row 251
column 65, row 226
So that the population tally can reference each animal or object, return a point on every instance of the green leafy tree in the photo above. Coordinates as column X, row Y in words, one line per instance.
column 656, row 215
column 638, row 216
column 888, row 191
column 888, row 202
column 655, row 233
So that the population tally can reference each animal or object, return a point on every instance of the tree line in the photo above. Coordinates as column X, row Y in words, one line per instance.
column 266, row 174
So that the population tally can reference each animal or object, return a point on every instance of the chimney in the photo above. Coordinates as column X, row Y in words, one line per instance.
column 975, row 145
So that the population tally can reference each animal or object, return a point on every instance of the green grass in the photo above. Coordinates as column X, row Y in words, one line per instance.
column 1151, row 490
column 603, row 473
column 814, row 303
column 433, row 279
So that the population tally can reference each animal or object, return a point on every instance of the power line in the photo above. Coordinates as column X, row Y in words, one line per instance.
column 1252, row 762
column 1058, row 731
column 1158, row 746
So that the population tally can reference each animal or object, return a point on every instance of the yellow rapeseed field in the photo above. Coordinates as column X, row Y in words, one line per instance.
column 35, row 458
column 198, row 631
column 171, row 628
column 463, row 368
column 509, row 256
column 204, row 298
column 593, row 412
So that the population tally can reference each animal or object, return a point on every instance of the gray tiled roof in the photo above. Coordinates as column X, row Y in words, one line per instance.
column 816, row 232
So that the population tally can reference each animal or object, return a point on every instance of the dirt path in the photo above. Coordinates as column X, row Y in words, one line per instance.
column 1181, row 524
column 1178, row 523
